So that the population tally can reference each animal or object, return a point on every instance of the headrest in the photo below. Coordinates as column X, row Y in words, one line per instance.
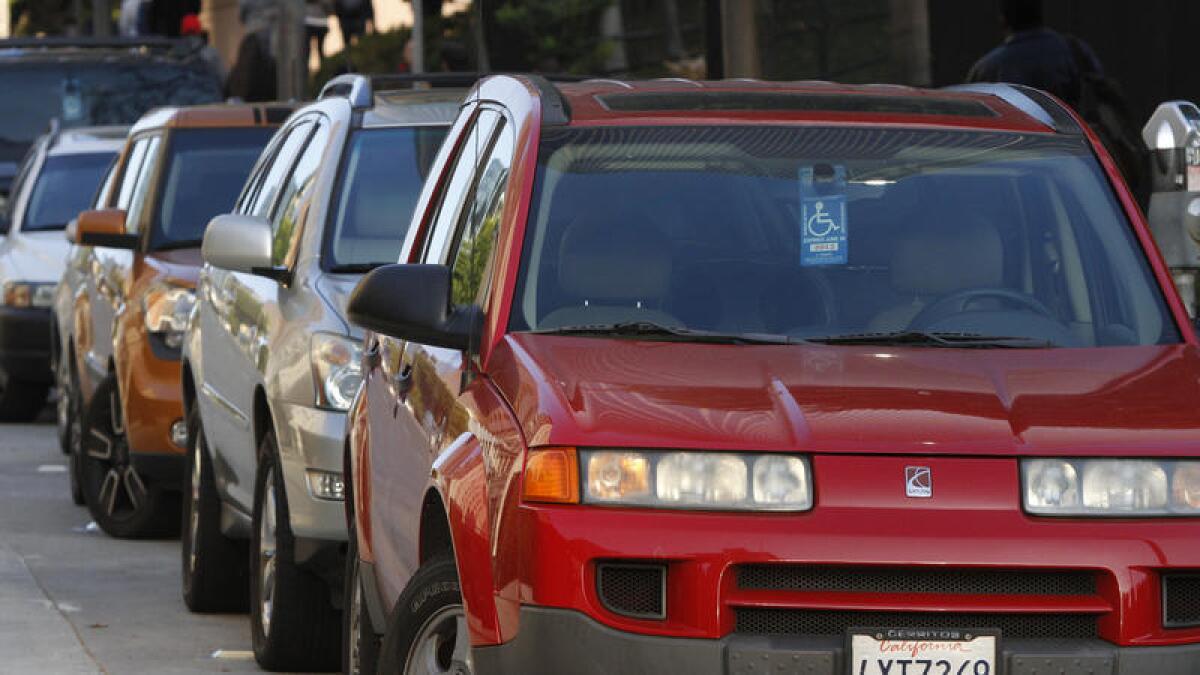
column 613, row 255
column 965, row 253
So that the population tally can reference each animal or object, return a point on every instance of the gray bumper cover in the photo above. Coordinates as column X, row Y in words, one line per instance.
column 564, row 642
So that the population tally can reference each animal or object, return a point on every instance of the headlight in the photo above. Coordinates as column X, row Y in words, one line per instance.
column 28, row 294
column 337, row 366
column 1111, row 487
column 165, row 310
column 674, row 480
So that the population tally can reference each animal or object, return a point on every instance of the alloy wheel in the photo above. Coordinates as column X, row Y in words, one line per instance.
column 442, row 646
column 193, row 524
column 122, row 493
column 267, row 554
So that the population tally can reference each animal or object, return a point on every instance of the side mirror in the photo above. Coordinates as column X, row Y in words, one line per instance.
column 105, row 228
column 412, row 302
column 70, row 232
column 238, row 242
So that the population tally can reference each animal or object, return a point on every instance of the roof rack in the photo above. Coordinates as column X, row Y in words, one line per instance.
column 91, row 43
column 360, row 88
column 1033, row 102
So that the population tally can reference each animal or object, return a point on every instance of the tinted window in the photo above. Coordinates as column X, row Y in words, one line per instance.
column 88, row 94
column 814, row 232
column 263, row 201
column 457, row 191
column 381, row 182
column 286, row 224
column 477, row 240
column 63, row 189
column 204, row 173
column 131, row 171
column 141, row 186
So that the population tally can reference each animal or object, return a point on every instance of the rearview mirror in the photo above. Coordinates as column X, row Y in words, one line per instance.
column 238, row 242
column 412, row 302
column 105, row 228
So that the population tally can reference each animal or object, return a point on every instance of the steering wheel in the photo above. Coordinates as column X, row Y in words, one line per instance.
column 957, row 303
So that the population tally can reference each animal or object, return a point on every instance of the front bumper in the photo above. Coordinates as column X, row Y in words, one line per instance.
column 564, row 642
column 25, row 343
column 312, row 439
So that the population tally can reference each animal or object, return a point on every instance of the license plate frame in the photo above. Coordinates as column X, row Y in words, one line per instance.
column 927, row 635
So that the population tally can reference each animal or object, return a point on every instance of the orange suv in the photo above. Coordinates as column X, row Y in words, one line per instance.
column 130, row 280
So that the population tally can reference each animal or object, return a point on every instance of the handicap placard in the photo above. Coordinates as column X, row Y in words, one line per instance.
column 824, row 233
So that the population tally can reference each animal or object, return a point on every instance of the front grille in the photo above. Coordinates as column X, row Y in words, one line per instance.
column 756, row 621
column 953, row 581
column 1181, row 600
column 634, row 590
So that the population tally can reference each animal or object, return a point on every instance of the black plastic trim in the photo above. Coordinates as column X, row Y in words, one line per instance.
column 646, row 567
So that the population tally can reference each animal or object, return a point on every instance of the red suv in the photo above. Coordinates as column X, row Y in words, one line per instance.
column 747, row 377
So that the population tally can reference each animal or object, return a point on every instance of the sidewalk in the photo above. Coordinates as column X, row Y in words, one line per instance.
column 34, row 635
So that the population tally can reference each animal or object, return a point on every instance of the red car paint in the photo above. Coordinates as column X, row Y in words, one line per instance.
column 861, row 413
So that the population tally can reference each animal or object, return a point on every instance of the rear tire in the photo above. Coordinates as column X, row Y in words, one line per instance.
column 427, row 633
column 123, row 503
column 293, row 625
column 360, row 642
column 21, row 401
column 216, row 576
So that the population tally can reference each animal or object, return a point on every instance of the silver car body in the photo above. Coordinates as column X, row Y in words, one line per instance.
column 246, row 354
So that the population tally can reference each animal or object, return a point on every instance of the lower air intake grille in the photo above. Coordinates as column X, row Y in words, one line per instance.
column 952, row 581
column 821, row 622
column 1181, row 600
column 638, row 591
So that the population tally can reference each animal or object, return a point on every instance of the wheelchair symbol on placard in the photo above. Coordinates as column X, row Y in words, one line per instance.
column 820, row 224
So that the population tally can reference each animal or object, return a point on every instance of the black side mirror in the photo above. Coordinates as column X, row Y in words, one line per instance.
column 412, row 302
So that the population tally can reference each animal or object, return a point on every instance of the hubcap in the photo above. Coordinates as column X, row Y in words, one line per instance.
column 442, row 646
column 121, row 492
column 193, row 533
column 267, row 554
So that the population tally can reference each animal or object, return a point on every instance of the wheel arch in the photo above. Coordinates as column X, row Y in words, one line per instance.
column 262, row 420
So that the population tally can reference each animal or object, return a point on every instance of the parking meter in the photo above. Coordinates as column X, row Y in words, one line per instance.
column 1173, row 136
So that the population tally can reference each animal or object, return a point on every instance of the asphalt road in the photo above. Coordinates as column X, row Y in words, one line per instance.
column 72, row 600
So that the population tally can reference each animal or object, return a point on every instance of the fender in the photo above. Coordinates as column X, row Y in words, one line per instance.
column 478, row 479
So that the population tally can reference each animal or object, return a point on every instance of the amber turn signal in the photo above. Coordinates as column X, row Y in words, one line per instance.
column 552, row 475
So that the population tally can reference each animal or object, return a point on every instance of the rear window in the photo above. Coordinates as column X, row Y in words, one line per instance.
column 385, row 169
column 203, row 175
column 91, row 94
column 65, row 187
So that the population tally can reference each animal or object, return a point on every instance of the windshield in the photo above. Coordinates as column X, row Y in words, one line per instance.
column 381, row 181
column 92, row 94
column 65, row 187
column 204, row 174
column 833, row 233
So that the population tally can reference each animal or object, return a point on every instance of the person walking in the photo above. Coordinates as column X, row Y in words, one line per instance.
column 354, row 16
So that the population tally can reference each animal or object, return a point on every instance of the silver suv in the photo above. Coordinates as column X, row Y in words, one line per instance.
column 270, row 364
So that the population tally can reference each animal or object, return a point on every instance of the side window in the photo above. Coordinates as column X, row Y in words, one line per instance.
column 457, row 190
column 263, row 202
column 141, row 189
column 286, row 225
column 478, row 232
column 130, row 173
column 102, row 197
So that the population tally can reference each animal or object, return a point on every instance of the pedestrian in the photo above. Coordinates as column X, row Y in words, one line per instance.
column 355, row 17
column 1034, row 55
column 316, row 23
column 190, row 28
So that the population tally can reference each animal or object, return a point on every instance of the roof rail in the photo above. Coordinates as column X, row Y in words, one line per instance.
column 360, row 88
column 556, row 112
column 92, row 43
column 1032, row 102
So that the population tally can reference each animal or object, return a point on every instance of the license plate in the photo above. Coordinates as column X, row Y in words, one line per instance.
column 922, row 651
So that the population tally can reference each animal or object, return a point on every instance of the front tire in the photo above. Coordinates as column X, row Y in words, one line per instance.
column 427, row 634
column 292, row 623
column 123, row 503
column 215, row 570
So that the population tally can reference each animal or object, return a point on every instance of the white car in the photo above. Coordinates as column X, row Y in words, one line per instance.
column 56, row 181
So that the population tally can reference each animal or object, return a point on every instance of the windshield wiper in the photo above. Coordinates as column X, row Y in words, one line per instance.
column 918, row 338
column 356, row 268
column 652, row 330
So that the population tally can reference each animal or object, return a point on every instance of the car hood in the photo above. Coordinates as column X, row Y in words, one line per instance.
column 34, row 256
column 180, row 266
column 852, row 399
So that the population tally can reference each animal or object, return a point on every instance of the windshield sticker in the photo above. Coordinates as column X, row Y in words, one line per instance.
column 824, row 233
